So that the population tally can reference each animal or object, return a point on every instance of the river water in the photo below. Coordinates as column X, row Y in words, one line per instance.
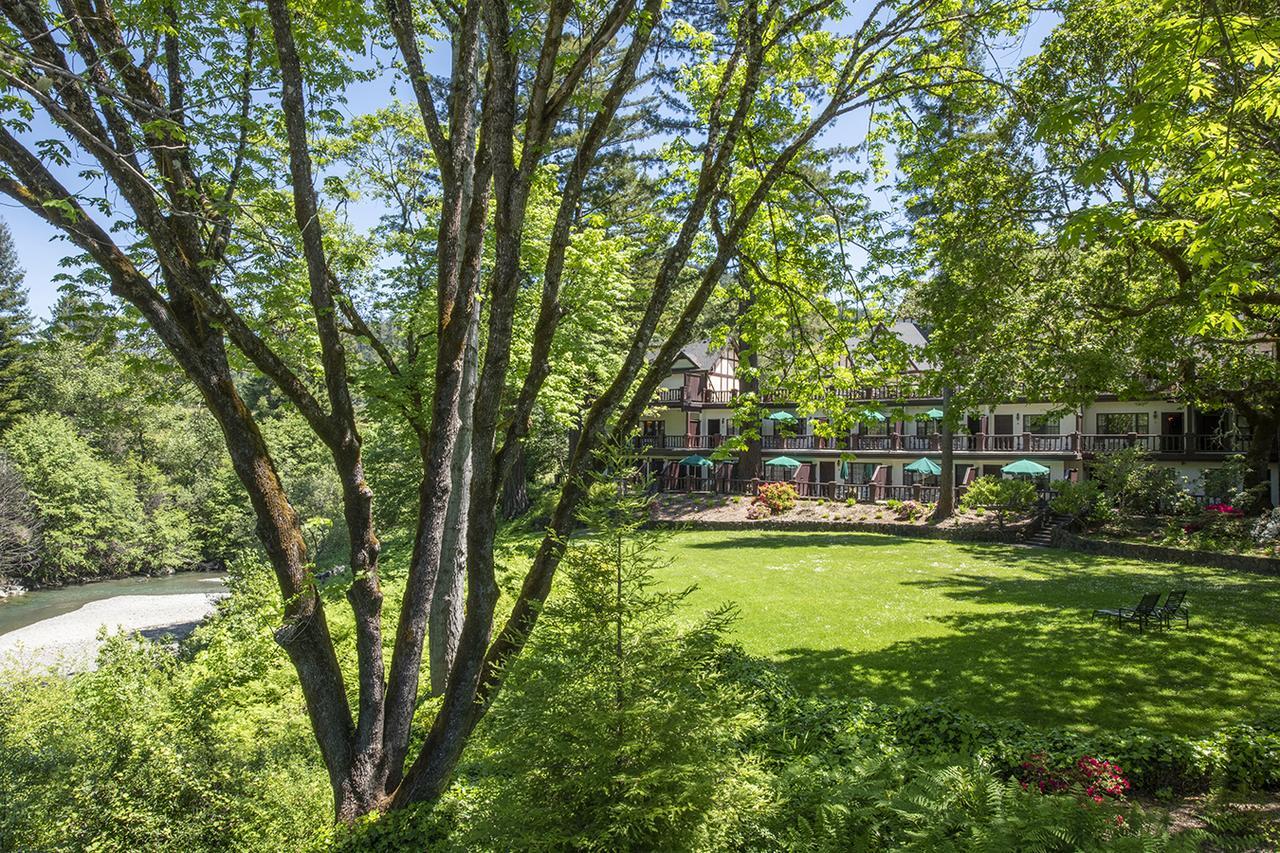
column 48, row 625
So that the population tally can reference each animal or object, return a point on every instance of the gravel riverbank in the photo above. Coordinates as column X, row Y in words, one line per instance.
column 69, row 642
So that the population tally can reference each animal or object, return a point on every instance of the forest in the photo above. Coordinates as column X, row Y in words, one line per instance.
column 364, row 304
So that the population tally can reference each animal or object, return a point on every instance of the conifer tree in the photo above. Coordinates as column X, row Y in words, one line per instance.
column 15, row 328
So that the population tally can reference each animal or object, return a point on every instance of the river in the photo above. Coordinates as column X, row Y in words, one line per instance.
column 59, row 627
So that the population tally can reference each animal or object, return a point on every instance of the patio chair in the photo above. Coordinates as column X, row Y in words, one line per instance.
column 1174, row 607
column 1146, row 610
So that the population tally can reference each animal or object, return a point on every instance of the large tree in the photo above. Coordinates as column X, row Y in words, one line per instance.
column 1107, row 221
column 186, row 111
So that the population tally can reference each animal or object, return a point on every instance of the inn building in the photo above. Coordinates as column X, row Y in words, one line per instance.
column 693, row 415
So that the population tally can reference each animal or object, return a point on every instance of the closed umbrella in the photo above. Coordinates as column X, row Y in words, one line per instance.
column 1025, row 466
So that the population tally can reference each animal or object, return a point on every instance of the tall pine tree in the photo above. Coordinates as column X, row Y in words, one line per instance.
column 15, row 328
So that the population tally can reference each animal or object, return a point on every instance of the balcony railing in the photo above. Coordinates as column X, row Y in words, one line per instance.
column 671, row 395
column 1181, row 444
column 1075, row 445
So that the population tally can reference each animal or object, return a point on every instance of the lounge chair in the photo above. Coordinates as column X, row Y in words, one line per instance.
column 1174, row 607
column 1147, row 610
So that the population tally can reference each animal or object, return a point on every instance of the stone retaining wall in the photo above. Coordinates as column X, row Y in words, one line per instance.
column 1008, row 534
column 1160, row 554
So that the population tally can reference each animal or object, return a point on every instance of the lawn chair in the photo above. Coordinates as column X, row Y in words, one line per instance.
column 1148, row 609
column 1174, row 607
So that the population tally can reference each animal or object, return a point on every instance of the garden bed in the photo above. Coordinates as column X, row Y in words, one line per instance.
column 726, row 513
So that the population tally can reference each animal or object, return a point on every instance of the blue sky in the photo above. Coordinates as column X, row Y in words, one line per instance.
column 41, row 250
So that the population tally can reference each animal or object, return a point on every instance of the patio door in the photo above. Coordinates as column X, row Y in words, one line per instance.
column 1172, row 430
column 1003, row 425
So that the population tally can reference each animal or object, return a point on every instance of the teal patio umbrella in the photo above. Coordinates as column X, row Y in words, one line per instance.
column 935, row 414
column 695, row 459
column 782, row 462
column 875, row 416
column 924, row 466
column 783, row 417
column 1025, row 466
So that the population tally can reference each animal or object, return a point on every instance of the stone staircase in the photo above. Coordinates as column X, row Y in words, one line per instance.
column 1041, row 535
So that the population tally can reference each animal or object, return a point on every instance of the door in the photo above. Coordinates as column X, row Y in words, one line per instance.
column 693, row 385
column 1172, row 428
column 827, row 472
column 1003, row 425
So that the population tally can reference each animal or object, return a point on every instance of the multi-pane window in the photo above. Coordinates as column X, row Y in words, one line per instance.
column 1040, row 424
column 1120, row 423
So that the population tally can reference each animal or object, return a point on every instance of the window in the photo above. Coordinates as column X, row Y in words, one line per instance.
column 860, row 472
column 1040, row 424
column 1120, row 423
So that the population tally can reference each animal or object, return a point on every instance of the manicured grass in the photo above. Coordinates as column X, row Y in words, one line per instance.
column 996, row 630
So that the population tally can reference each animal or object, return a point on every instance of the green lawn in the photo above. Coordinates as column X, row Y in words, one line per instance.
column 997, row 630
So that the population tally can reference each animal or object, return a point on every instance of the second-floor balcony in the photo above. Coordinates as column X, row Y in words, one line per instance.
column 1071, row 445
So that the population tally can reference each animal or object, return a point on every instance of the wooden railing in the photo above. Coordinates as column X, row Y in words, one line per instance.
column 671, row 395
column 1017, row 444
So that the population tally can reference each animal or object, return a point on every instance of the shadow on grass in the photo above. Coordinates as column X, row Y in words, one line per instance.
column 797, row 539
column 1028, row 649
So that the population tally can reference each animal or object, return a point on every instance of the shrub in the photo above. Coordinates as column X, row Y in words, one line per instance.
column 1241, row 756
column 778, row 497
column 757, row 511
column 1094, row 778
column 203, row 751
column 1083, row 500
column 909, row 510
column 1266, row 530
column 1134, row 483
column 995, row 491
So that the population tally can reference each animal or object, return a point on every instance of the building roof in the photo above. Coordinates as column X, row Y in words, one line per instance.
column 699, row 355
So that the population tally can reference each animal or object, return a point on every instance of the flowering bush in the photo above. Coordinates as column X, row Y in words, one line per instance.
column 1266, row 530
column 908, row 510
column 1100, row 781
column 778, row 497
column 757, row 511
column 1225, row 509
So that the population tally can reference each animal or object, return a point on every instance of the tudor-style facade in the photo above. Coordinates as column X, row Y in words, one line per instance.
column 693, row 414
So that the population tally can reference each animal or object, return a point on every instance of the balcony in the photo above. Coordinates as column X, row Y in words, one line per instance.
column 1066, row 445
column 1182, row 444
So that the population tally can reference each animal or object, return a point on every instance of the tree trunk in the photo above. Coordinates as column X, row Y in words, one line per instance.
column 445, row 623
column 947, row 480
column 1263, row 424
column 749, row 464
column 515, row 492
